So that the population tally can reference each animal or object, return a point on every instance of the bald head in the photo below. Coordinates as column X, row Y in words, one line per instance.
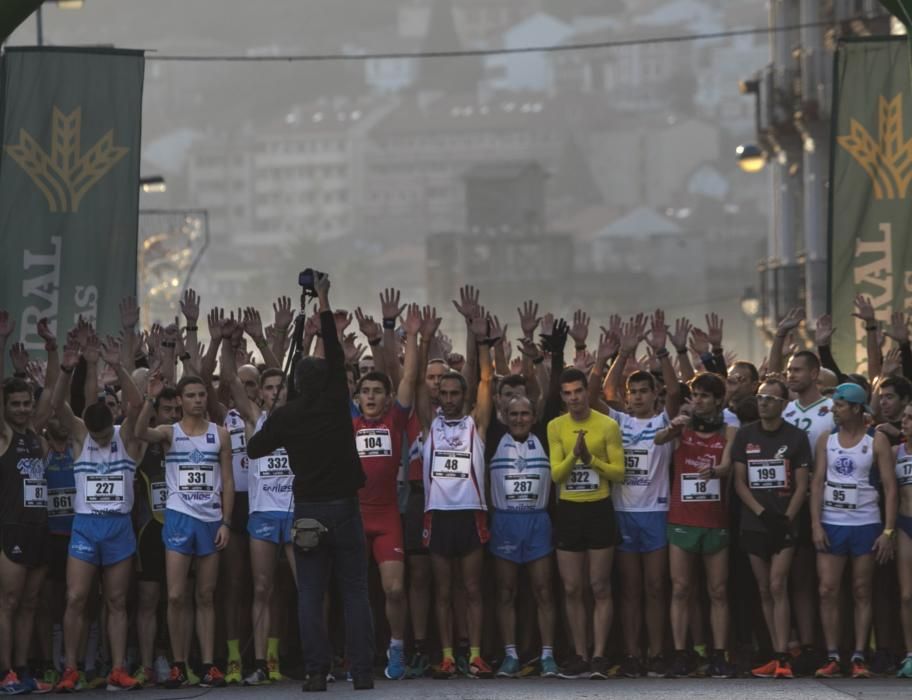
column 826, row 379
column 250, row 378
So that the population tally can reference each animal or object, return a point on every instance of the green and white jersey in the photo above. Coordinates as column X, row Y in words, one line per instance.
column 815, row 420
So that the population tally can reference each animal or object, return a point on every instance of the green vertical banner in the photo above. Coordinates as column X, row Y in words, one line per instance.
column 870, row 213
column 69, row 185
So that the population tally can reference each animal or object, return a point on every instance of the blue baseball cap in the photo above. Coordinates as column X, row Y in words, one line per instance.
column 852, row 393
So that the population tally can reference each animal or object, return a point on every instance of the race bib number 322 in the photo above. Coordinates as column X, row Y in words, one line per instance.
column 582, row 478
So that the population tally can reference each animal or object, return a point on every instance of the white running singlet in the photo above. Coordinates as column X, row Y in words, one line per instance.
column 848, row 496
column 815, row 419
column 104, row 477
column 454, row 472
column 270, row 480
column 520, row 475
column 237, row 432
column 646, row 465
column 193, row 474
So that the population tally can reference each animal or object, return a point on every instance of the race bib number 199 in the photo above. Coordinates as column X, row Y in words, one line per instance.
column 767, row 474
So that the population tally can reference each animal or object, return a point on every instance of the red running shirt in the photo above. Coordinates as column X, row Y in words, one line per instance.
column 379, row 444
column 694, row 501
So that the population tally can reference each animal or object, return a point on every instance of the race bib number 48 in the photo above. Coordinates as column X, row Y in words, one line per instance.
column 451, row 465
column 693, row 488
column 582, row 478
column 767, row 474
column 840, row 496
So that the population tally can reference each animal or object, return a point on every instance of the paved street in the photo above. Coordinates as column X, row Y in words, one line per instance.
column 538, row 689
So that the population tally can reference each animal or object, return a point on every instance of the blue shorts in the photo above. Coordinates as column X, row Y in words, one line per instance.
column 271, row 526
column 642, row 532
column 188, row 535
column 520, row 537
column 904, row 523
column 102, row 540
column 852, row 540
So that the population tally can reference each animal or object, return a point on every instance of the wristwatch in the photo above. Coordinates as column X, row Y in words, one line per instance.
column 889, row 531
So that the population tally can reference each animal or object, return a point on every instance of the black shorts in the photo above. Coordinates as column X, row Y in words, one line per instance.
column 25, row 543
column 150, row 553
column 582, row 526
column 455, row 533
column 57, row 551
column 760, row 544
column 413, row 523
column 240, row 514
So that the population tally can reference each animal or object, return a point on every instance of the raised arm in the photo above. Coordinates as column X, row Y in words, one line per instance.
column 129, row 317
column 253, row 326
column 484, row 404
column 228, row 375
column 61, row 391
column 607, row 347
column 864, row 310
column 406, row 391
column 899, row 332
column 656, row 340
column 283, row 317
column 429, row 324
column 190, row 308
column 390, row 310
column 144, row 431
column 776, row 362
column 371, row 330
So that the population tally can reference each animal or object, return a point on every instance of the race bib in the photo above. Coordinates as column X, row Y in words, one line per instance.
column 841, row 496
column 104, row 488
column 238, row 440
column 904, row 471
column 159, row 496
column 273, row 466
column 60, row 502
column 582, row 478
column 767, row 474
column 374, row 442
column 195, row 478
column 636, row 462
column 34, row 493
column 522, row 487
column 693, row 488
column 447, row 464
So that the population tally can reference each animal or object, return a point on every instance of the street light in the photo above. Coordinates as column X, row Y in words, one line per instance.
column 153, row 183
column 751, row 159
column 63, row 5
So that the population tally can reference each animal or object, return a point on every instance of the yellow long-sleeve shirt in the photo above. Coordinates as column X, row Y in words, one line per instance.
column 585, row 482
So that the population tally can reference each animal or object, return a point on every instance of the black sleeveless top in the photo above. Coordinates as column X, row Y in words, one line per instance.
column 22, row 483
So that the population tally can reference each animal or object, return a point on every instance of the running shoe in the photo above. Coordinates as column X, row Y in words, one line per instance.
column 478, row 668
column 315, row 682
column 681, row 665
column 233, row 674
column 658, row 667
column 145, row 676
column 905, row 671
column 70, row 682
column 509, row 668
column 719, row 666
column 830, row 669
column 192, row 678
column 258, row 677
column 600, row 668
column 418, row 666
column 549, row 667
column 631, row 667
column 162, row 668
column 50, row 676
column 445, row 670
column 119, row 679
column 883, row 663
column 214, row 678
column 462, row 664
column 784, row 670
column 576, row 667
column 767, row 670
column 176, row 678
column 272, row 667
column 395, row 666
column 860, row 669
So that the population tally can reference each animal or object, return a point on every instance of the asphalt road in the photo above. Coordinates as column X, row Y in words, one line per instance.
column 540, row 689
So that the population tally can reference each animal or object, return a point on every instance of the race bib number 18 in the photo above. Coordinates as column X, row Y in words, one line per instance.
column 693, row 488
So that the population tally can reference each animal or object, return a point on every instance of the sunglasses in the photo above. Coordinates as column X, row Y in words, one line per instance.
column 769, row 397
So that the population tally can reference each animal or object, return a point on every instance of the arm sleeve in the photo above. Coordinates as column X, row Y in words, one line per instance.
column 266, row 440
column 336, row 383
column 905, row 351
column 828, row 361
column 613, row 466
column 553, row 399
column 561, row 464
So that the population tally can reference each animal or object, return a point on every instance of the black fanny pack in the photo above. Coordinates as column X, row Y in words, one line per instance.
column 307, row 533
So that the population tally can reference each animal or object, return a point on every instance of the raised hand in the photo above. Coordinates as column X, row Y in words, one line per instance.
column 83, row 331
column 91, row 349
column 446, row 345
column 7, row 325
column 430, row 322
column 214, row 320
column 824, row 330
column 528, row 318
column 898, row 329
column 579, row 330
column 129, row 312
column 516, row 365
column 528, row 348
column 283, row 315
column 20, row 357
column 368, row 326
column 714, row 329
column 37, row 372
column 495, row 330
column 412, row 319
column 227, row 327
column 312, row 324
column 790, row 321
column 253, row 324
column 478, row 325
column 608, row 345
column 389, row 304
column 110, row 351
column 584, row 361
column 658, row 332
column 342, row 319
column 699, row 341
column 632, row 333
column 43, row 328
column 892, row 363
column 352, row 349
column 70, row 357
column 864, row 309
column 155, row 384
column 190, row 306
column 679, row 338
column 468, row 303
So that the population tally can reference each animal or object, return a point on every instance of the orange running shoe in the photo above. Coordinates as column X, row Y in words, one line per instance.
column 767, row 670
column 860, row 669
column 445, row 670
column 478, row 668
column 784, row 670
column 830, row 669
column 69, row 682
column 119, row 679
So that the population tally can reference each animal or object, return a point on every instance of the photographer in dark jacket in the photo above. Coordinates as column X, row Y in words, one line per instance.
column 316, row 431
